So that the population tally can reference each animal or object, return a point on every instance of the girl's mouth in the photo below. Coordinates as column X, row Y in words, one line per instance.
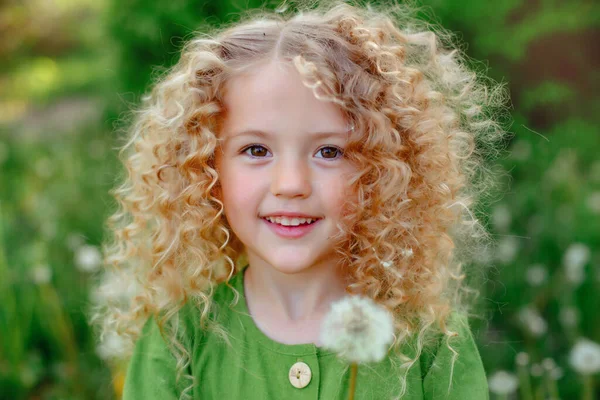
column 292, row 232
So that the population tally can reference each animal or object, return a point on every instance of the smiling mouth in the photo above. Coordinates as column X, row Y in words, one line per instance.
column 298, row 221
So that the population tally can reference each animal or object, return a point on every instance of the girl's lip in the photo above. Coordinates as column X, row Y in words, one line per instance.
column 291, row 231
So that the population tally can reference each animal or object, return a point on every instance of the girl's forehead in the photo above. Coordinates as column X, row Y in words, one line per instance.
column 273, row 98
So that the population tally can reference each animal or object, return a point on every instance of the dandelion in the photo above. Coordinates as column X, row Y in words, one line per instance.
column 574, row 260
column 359, row 331
column 537, row 370
column 521, row 150
column 41, row 274
column 548, row 364
column 114, row 287
column 112, row 346
column 507, row 249
column 533, row 321
column 88, row 258
column 501, row 218
column 556, row 373
column 593, row 202
column 578, row 254
column 585, row 357
column 522, row 359
column 503, row 383
column 483, row 256
column 536, row 275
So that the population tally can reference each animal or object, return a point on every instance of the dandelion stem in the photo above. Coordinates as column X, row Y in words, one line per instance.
column 552, row 388
column 588, row 387
column 525, row 383
column 353, row 371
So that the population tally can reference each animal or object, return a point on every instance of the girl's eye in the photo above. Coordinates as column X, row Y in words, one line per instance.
column 256, row 154
column 330, row 152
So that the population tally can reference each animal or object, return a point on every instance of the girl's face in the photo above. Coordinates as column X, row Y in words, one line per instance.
column 282, row 151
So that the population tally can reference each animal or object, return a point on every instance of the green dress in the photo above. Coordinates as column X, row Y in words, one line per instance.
column 257, row 367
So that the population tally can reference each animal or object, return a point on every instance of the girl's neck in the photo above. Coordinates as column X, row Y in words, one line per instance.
column 293, row 298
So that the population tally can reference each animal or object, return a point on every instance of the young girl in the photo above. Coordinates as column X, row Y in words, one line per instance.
column 287, row 161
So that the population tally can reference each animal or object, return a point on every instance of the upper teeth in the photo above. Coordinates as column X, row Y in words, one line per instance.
column 290, row 221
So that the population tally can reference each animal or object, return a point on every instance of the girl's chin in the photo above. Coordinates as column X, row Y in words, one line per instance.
column 285, row 266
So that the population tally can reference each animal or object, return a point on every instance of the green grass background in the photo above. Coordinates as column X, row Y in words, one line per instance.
column 71, row 68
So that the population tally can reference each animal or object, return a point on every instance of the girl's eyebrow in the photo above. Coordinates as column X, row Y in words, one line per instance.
column 316, row 135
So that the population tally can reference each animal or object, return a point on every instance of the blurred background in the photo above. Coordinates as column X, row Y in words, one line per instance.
column 70, row 68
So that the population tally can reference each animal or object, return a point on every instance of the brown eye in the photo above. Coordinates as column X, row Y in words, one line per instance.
column 261, row 152
column 330, row 152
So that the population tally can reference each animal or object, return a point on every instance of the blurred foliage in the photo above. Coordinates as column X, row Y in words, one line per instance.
column 72, row 67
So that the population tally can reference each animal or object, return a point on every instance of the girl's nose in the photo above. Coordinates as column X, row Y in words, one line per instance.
column 291, row 178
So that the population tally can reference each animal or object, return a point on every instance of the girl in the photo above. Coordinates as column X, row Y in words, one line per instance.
column 285, row 162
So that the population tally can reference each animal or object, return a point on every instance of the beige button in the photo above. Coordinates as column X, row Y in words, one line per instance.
column 300, row 375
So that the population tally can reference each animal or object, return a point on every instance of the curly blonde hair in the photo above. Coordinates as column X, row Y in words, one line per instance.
column 424, row 124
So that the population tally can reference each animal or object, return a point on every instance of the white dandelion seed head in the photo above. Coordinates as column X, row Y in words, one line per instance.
column 593, row 202
column 568, row 316
column 507, row 249
column 532, row 320
column 521, row 150
column 484, row 255
column 537, row 370
column 41, row 274
column 576, row 256
column 536, row 275
column 112, row 346
column 574, row 261
column 585, row 357
column 503, row 382
column 548, row 364
column 88, row 258
column 556, row 373
column 115, row 287
column 358, row 329
column 575, row 275
column 501, row 217
column 522, row 358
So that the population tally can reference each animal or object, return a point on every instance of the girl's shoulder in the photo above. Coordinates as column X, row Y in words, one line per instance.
column 454, row 362
column 214, row 303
